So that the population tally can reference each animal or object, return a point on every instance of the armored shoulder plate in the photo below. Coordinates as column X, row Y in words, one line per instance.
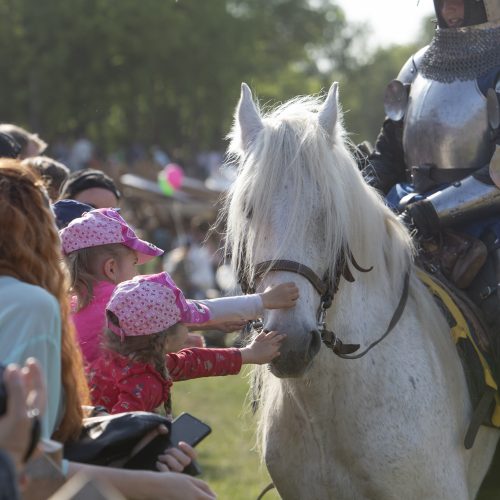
column 410, row 69
column 396, row 92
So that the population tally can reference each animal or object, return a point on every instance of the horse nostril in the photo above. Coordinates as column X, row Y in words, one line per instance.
column 314, row 344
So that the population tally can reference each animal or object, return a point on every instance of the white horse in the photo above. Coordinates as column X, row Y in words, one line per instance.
column 391, row 424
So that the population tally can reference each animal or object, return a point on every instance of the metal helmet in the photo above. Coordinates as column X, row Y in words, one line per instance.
column 476, row 12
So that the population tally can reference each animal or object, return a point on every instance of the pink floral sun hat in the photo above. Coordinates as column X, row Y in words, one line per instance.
column 104, row 226
column 150, row 304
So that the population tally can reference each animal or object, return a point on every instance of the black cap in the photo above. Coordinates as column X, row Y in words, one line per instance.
column 85, row 179
column 9, row 148
column 67, row 210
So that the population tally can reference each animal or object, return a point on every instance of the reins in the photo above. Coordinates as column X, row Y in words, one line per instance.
column 331, row 340
column 327, row 288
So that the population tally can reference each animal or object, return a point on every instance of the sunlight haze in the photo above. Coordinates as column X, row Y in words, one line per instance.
column 391, row 21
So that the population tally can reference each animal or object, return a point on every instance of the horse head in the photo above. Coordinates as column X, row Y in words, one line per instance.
column 282, row 207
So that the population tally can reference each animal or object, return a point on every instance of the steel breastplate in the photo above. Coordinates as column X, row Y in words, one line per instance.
column 446, row 124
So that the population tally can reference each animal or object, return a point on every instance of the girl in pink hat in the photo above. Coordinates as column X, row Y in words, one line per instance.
column 146, row 319
column 102, row 251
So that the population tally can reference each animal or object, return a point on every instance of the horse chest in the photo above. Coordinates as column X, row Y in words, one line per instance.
column 342, row 441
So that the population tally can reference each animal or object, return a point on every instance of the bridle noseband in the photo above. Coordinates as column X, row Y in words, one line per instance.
column 322, row 286
column 326, row 288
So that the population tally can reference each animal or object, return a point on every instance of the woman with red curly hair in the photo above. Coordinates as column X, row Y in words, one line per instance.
column 34, row 321
column 34, row 317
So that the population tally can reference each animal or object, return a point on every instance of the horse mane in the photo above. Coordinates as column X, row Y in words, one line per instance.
column 320, row 173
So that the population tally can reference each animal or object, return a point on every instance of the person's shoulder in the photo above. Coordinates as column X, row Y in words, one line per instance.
column 137, row 374
column 103, row 291
column 27, row 295
column 411, row 67
column 417, row 57
column 124, row 366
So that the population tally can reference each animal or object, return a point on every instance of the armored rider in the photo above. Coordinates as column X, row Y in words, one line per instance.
column 437, row 157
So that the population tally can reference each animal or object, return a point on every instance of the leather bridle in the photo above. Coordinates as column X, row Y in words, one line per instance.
column 326, row 287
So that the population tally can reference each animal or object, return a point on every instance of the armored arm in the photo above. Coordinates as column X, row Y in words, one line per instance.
column 474, row 197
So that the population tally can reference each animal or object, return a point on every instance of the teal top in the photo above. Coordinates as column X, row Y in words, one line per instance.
column 30, row 326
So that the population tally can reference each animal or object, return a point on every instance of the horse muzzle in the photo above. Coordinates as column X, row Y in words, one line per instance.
column 296, row 355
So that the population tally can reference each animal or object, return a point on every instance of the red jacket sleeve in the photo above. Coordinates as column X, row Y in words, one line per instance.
column 199, row 362
column 140, row 392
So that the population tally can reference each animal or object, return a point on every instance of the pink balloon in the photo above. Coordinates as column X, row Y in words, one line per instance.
column 174, row 175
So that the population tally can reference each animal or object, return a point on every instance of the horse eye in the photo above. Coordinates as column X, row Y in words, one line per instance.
column 248, row 211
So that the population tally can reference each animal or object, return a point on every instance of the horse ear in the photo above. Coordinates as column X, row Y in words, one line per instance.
column 327, row 116
column 248, row 117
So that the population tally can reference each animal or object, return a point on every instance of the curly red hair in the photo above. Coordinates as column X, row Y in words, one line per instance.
column 30, row 251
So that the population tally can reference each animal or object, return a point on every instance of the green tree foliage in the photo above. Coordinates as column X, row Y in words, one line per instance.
column 169, row 72
column 154, row 70
column 362, row 91
column 363, row 85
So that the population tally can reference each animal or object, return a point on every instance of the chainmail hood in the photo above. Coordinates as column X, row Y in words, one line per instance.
column 461, row 53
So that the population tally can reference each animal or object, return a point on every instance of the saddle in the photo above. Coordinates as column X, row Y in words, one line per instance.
column 448, row 268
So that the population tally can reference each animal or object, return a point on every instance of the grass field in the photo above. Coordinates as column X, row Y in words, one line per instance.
column 227, row 456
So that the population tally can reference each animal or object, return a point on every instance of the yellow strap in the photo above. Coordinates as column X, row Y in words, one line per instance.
column 461, row 329
column 495, row 417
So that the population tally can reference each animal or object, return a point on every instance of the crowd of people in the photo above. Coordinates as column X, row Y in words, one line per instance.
column 80, row 328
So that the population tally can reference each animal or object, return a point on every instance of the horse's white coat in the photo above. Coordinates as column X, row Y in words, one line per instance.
column 391, row 424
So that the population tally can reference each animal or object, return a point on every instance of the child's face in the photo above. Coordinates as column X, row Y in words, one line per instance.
column 175, row 340
column 126, row 266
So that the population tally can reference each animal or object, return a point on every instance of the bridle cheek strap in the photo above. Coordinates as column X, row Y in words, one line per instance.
column 345, row 351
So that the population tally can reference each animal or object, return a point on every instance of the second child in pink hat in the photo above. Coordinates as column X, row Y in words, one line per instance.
column 146, row 319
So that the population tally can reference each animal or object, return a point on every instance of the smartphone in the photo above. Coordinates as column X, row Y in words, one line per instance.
column 184, row 428
column 146, row 458
column 188, row 429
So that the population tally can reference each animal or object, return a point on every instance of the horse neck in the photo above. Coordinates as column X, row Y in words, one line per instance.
column 362, row 309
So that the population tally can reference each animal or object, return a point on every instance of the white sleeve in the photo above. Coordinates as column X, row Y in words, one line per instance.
column 237, row 308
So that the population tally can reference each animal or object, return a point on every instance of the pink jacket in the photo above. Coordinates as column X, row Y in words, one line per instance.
column 91, row 320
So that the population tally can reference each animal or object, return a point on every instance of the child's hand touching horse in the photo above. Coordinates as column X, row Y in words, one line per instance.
column 263, row 348
column 280, row 297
